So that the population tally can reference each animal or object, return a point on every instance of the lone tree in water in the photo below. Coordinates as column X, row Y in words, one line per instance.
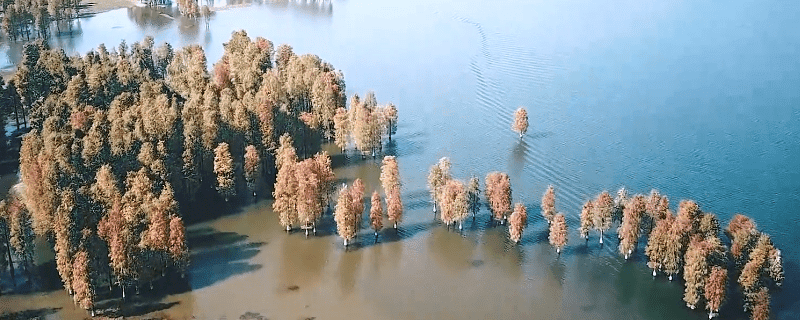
column 603, row 206
column 549, row 204
column 223, row 168
column 517, row 222
column 558, row 232
column 394, row 207
column 632, row 214
column 376, row 213
column 587, row 219
column 345, row 216
column 453, row 200
column 520, row 124
column 438, row 176
column 252, row 166
column 715, row 289
column 498, row 194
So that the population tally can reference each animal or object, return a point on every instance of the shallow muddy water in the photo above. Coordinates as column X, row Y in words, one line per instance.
column 698, row 100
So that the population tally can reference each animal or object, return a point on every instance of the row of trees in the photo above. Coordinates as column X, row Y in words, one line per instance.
column 120, row 138
column 26, row 18
column 350, row 203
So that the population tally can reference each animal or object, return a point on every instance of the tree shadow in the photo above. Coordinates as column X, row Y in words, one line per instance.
column 133, row 307
column 216, row 256
column 29, row 314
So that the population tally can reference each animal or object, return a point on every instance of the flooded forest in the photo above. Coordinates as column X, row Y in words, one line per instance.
column 210, row 160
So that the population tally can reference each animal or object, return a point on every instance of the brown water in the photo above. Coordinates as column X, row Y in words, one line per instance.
column 696, row 99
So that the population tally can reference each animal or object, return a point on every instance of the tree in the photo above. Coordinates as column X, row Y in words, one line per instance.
column 695, row 271
column 252, row 167
column 520, row 124
column 438, row 176
column 498, row 194
column 376, row 213
column 285, row 194
column 631, row 223
column 177, row 243
column 760, row 309
column 309, row 189
column 587, row 219
column 558, row 232
column 394, row 206
column 390, row 115
column 715, row 289
column 743, row 233
column 454, row 205
column 390, row 174
column 657, row 208
column 474, row 195
column 341, row 128
column 549, row 204
column 517, row 222
column 223, row 168
column 81, row 281
column 343, row 215
column 603, row 206
column 357, row 202
column 657, row 243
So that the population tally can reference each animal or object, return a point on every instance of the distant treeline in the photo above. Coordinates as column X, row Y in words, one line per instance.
column 23, row 19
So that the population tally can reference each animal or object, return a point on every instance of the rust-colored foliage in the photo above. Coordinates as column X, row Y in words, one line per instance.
column 520, row 124
column 603, row 205
column 345, row 215
column 657, row 244
column 438, row 176
column 252, row 166
column 632, row 215
column 223, row 168
column 341, row 128
column 688, row 217
column 81, row 280
column 498, row 194
column 309, row 206
column 177, row 242
column 742, row 231
column 587, row 218
column 390, row 174
column 517, row 222
column 376, row 212
column 695, row 271
column 558, row 232
column 715, row 288
column 394, row 207
column 657, row 206
column 760, row 305
column 549, row 204
column 453, row 200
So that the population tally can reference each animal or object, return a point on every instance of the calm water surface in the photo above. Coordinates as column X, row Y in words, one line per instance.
column 699, row 100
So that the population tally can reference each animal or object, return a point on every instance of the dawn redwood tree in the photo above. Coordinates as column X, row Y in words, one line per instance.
column 474, row 195
column 657, row 208
column 714, row 291
column 394, row 207
column 498, row 194
column 309, row 194
column 760, row 305
column 517, row 222
column 587, row 219
column 177, row 244
column 629, row 230
column 81, row 281
column 603, row 206
column 558, row 232
column 454, row 205
column 341, row 128
column 390, row 174
column 390, row 116
column 286, row 186
column 549, row 204
column 438, row 176
column 695, row 271
column 520, row 124
column 376, row 213
column 252, row 167
column 357, row 202
column 743, row 234
column 657, row 243
column 223, row 168
column 344, row 216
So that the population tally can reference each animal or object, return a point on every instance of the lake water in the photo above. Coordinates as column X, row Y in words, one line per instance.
column 699, row 100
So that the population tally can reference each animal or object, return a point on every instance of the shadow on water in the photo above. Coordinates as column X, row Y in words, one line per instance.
column 302, row 261
column 29, row 314
column 390, row 234
column 216, row 256
column 450, row 249
column 349, row 265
